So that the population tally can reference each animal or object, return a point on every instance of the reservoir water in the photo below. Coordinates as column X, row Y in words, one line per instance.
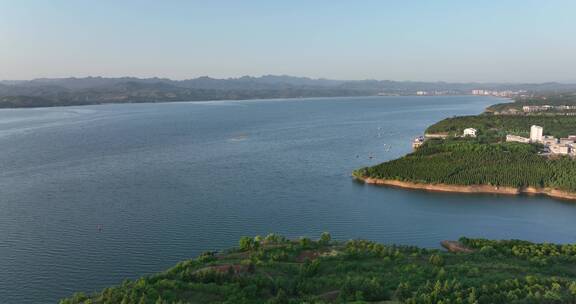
column 93, row 195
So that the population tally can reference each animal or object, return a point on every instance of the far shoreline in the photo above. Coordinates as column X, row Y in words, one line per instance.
column 235, row 100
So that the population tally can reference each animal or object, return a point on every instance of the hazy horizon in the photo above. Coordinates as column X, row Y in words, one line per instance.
column 449, row 41
column 282, row 75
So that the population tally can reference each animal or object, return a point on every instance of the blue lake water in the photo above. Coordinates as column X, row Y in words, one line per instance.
column 92, row 195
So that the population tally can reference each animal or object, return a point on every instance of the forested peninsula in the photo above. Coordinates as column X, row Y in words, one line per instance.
column 493, row 152
column 274, row 269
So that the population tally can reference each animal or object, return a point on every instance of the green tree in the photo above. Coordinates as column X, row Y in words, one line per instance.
column 246, row 243
column 325, row 238
column 436, row 260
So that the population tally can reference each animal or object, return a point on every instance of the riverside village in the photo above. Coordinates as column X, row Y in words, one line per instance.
column 552, row 145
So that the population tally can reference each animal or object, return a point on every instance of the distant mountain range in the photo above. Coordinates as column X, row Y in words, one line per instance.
column 47, row 92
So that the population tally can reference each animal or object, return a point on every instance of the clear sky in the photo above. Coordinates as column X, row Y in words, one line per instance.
column 458, row 40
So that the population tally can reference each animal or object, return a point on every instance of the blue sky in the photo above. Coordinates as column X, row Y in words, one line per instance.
column 515, row 41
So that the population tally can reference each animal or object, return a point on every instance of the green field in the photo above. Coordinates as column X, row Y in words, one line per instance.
column 277, row 270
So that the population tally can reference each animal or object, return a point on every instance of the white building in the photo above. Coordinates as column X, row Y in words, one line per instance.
column 471, row 132
column 530, row 108
column 572, row 149
column 559, row 149
column 516, row 138
column 549, row 140
column 536, row 133
column 418, row 142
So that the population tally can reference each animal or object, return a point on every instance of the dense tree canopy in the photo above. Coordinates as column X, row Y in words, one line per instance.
column 468, row 162
column 277, row 270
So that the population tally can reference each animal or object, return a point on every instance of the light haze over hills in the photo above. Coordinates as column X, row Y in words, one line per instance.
column 454, row 41
column 98, row 90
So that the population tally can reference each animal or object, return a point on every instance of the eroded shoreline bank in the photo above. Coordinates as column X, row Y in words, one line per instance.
column 485, row 189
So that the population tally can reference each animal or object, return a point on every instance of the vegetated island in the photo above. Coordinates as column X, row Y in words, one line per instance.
column 526, row 146
column 278, row 270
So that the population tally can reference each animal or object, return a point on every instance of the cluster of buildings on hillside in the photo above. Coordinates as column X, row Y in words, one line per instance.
column 421, row 93
column 504, row 93
column 436, row 93
column 553, row 145
column 480, row 92
column 542, row 108
column 569, row 110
